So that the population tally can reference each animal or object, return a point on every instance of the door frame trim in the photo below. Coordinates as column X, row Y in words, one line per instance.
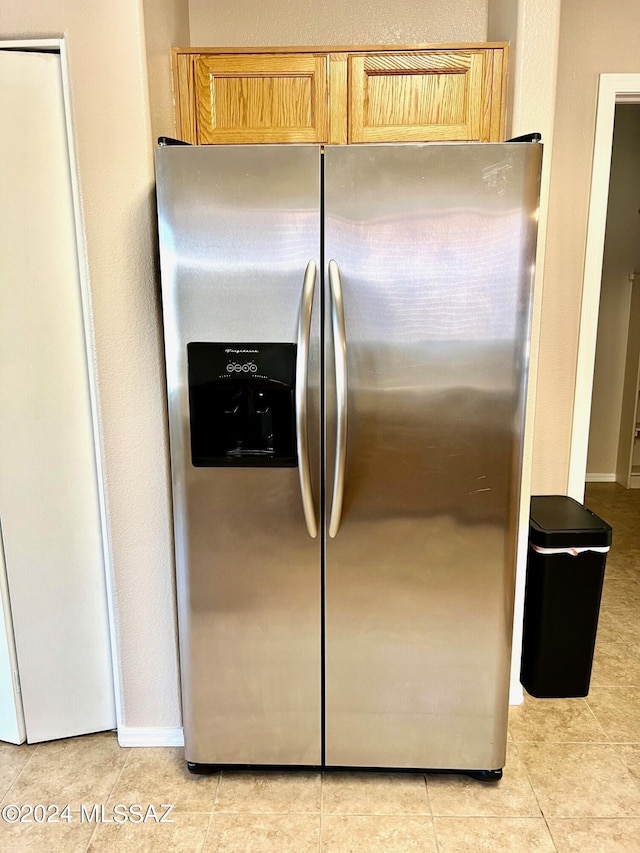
column 613, row 89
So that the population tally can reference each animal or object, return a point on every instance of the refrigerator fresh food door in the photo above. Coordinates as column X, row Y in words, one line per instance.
column 429, row 266
column 240, row 242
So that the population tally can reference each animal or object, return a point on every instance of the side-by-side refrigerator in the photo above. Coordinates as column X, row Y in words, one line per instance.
column 347, row 336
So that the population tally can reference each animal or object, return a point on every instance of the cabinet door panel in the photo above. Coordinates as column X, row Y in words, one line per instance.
column 423, row 96
column 266, row 98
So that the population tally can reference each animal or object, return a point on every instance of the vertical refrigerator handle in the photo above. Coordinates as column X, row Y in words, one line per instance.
column 340, row 358
column 302, row 366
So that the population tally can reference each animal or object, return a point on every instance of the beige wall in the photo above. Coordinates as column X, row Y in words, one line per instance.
column 166, row 24
column 532, row 29
column 621, row 257
column 112, row 127
column 595, row 37
column 291, row 22
column 502, row 25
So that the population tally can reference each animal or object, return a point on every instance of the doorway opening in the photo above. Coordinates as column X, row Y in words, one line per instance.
column 613, row 89
column 614, row 446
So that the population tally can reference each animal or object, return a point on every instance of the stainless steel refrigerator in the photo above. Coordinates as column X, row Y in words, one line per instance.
column 347, row 337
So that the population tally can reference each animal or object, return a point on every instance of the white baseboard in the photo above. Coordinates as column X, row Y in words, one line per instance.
column 516, row 694
column 600, row 478
column 157, row 736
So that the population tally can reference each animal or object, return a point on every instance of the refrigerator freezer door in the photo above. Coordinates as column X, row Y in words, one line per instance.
column 238, row 227
column 435, row 246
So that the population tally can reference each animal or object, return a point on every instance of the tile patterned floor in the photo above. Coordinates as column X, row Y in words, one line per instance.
column 572, row 780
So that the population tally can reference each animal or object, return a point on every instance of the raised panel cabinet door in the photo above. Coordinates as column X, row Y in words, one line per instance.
column 261, row 98
column 415, row 97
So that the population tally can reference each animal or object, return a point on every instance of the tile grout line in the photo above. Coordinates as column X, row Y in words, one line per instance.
column 19, row 774
column 625, row 690
column 596, row 720
column 216, row 792
column 117, row 779
column 435, row 834
column 425, row 776
column 617, row 744
column 91, row 837
column 431, row 815
column 208, row 830
column 537, row 799
column 321, row 811
column 546, row 823
column 108, row 797
column 213, row 812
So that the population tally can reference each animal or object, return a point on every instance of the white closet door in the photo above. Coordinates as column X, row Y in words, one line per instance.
column 11, row 716
column 49, row 506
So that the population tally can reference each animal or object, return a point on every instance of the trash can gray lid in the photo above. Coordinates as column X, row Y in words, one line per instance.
column 558, row 521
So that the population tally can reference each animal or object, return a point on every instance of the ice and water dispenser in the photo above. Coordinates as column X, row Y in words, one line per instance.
column 242, row 404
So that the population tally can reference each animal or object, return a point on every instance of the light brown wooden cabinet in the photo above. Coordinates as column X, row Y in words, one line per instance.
column 340, row 95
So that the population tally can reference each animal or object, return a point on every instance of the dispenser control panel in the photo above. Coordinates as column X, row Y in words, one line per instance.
column 242, row 404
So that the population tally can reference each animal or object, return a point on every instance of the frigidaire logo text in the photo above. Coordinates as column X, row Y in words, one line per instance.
column 241, row 350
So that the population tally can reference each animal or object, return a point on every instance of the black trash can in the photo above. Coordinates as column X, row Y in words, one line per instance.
column 568, row 546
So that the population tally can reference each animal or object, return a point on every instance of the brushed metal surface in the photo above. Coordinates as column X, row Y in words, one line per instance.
column 238, row 225
column 302, row 423
column 340, row 365
column 436, row 248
